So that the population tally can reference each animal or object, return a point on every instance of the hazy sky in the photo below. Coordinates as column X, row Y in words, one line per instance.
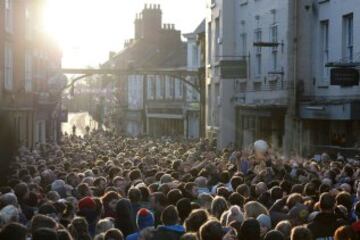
column 88, row 29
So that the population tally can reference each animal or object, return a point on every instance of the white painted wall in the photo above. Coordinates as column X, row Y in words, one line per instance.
column 333, row 11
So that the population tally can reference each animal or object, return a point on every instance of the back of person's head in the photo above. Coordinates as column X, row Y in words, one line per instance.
column 250, row 229
column 285, row 228
column 327, row 202
column 357, row 209
column 195, row 220
column 234, row 214
column 174, row 196
column 293, row 199
column 345, row 199
column 236, row 199
column 63, row 234
column 170, row 215
column 274, row 235
column 113, row 234
column 345, row 233
column 13, row 231
column 79, row 228
column 205, row 200
column 236, row 181
column 44, row 234
column 184, row 208
column 218, row 206
column 253, row 209
column 300, row 233
column 134, row 195
column 276, row 193
column 42, row 221
column 135, row 174
column 244, row 190
column 160, row 198
column 211, row 230
column 103, row 225
column 224, row 177
column 189, row 236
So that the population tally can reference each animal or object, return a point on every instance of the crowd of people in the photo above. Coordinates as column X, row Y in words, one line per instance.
column 108, row 187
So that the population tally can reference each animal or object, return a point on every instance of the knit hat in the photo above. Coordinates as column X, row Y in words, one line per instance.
column 87, row 202
column 144, row 218
column 264, row 220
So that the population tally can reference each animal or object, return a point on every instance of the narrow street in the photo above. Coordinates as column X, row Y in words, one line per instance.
column 80, row 120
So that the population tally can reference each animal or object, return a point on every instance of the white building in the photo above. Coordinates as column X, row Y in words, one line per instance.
column 249, row 66
column 329, row 108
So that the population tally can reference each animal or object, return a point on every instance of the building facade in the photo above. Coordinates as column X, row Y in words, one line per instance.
column 156, row 104
column 329, row 100
column 29, row 62
column 249, row 71
column 283, row 71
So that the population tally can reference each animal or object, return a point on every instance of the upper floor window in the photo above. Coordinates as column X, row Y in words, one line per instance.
column 274, row 39
column 28, row 72
column 324, row 45
column 9, row 16
column 258, row 38
column 348, row 37
column 8, row 67
column 243, row 37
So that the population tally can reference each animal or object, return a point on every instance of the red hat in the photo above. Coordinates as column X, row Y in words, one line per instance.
column 87, row 202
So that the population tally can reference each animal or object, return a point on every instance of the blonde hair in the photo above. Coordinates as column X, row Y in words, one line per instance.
column 103, row 225
column 253, row 209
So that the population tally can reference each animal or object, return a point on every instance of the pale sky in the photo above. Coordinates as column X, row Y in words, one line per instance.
column 88, row 29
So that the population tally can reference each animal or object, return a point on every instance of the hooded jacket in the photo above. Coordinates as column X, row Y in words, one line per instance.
column 324, row 225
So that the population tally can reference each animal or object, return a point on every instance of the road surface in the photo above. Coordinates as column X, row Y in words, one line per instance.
column 80, row 120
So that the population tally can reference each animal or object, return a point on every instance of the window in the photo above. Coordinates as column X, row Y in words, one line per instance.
column 179, row 89
column 9, row 63
column 348, row 37
column 28, row 72
column 9, row 16
column 324, row 44
column 274, row 39
column 151, row 87
column 209, row 42
column 258, row 37
column 195, row 56
column 217, row 38
column 243, row 44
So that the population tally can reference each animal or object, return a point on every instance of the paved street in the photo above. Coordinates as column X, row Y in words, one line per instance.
column 80, row 120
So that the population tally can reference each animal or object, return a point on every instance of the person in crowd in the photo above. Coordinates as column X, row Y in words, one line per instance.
column 107, row 186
